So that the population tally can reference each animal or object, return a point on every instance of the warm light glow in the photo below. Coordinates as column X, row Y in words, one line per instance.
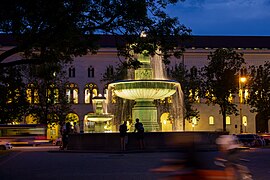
column 228, row 120
column 75, row 96
column 243, row 79
column 211, row 120
column 245, row 120
column 194, row 120
column 164, row 122
column 87, row 96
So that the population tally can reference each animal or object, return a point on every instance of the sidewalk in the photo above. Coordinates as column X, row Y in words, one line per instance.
column 207, row 148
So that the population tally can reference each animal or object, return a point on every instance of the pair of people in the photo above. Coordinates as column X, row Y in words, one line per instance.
column 139, row 130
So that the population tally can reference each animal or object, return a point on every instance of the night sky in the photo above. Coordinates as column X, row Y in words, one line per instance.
column 224, row 17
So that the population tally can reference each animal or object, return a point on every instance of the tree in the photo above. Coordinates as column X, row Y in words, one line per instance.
column 47, row 85
column 47, row 30
column 259, row 90
column 221, row 80
column 13, row 101
column 190, row 83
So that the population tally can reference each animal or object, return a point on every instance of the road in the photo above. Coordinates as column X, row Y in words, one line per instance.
column 31, row 163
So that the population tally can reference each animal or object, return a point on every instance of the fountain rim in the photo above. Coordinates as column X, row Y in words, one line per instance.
column 144, row 80
column 99, row 117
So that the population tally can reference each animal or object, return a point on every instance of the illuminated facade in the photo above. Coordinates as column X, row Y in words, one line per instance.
column 85, row 75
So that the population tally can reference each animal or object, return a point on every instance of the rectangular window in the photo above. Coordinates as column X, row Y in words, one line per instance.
column 71, row 72
column 91, row 72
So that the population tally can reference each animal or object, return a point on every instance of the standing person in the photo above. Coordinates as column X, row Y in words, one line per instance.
column 123, row 135
column 76, row 128
column 139, row 129
column 66, row 132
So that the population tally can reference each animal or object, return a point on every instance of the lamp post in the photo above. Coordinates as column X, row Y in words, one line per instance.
column 242, row 80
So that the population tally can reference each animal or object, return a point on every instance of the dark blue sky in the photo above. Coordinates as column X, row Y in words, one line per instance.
column 224, row 17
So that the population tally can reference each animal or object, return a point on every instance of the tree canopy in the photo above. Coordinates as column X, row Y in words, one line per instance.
column 47, row 30
column 259, row 92
column 190, row 83
column 221, row 80
column 13, row 102
column 47, row 92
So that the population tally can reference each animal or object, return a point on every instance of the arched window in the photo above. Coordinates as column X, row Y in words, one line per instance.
column 53, row 94
column 91, row 72
column 245, row 120
column 211, row 120
column 90, row 91
column 228, row 120
column 32, row 94
column 72, row 92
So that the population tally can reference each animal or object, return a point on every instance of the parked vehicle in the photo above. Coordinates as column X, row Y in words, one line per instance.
column 250, row 140
column 5, row 145
column 266, row 137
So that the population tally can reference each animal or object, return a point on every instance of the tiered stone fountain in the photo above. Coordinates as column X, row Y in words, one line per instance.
column 144, row 89
column 99, row 117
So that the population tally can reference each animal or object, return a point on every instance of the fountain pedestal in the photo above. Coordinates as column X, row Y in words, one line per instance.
column 146, row 111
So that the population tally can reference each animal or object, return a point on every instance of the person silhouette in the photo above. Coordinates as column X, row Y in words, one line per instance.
column 139, row 130
column 123, row 135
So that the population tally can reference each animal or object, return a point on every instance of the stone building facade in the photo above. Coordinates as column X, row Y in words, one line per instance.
column 85, row 75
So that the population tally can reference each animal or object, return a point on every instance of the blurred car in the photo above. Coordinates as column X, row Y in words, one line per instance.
column 5, row 145
column 250, row 140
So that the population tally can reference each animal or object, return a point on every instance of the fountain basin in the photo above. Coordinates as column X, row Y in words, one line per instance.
column 144, row 90
column 99, row 117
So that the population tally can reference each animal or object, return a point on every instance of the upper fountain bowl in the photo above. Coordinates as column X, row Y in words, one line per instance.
column 144, row 90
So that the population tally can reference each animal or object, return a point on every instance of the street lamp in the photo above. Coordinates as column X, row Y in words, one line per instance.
column 242, row 80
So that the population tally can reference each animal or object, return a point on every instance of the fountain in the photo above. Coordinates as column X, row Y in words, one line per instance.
column 99, row 119
column 144, row 89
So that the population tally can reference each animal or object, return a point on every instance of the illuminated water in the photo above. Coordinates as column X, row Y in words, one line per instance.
column 139, row 94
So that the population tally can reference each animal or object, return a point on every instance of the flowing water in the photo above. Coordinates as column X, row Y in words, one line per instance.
column 122, row 108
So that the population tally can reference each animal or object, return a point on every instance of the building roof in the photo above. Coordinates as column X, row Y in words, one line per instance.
column 195, row 42
column 229, row 42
